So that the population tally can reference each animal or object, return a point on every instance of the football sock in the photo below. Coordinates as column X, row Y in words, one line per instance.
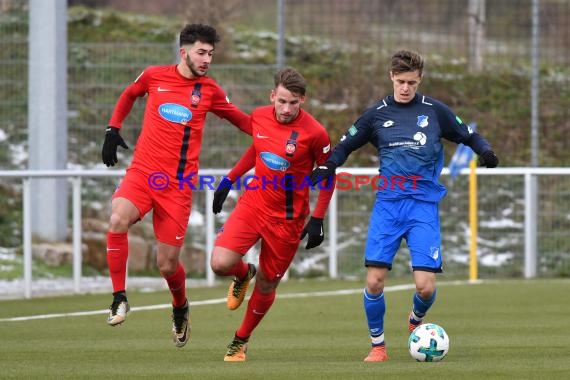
column 375, row 308
column 421, row 306
column 377, row 340
column 177, row 285
column 415, row 318
column 239, row 270
column 120, row 296
column 257, row 306
column 117, row 253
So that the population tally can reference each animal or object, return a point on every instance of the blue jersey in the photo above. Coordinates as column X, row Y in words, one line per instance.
column 408, row 139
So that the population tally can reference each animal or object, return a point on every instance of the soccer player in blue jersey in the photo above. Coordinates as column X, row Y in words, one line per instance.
column 406, row 128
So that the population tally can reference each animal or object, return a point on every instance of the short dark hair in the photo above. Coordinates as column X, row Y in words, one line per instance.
column 199, row 32
column 405, row 61
column 292, row 80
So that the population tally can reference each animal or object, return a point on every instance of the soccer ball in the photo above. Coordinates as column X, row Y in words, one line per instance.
column 428, row 343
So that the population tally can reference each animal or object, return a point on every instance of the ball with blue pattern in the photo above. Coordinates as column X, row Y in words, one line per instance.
column 428, row 343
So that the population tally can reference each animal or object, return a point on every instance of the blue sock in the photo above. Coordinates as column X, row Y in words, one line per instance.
column 421, row 306
column 375, row 308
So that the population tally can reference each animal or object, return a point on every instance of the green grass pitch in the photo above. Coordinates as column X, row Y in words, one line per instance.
column 511, row 329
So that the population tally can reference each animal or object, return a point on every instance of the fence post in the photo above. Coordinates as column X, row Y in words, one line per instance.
column 27, row 236
column 530, row 225
column 77, row 231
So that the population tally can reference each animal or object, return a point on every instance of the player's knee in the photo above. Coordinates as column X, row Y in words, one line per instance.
column 267, row 285
column 219, row 265
column 118, row 223
column 425, row 292
column 374, row 283
column 218, row 268
column 167, row 268
column 374, row 288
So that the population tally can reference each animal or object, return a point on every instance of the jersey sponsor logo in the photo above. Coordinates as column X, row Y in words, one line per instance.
column 420, row 138
column 175, row 113
column 178, row 237
column 388, row 124
column 422, row 121
column 160, row 89
column 260, row 136
column 274, row 162
column 327, row 148
column 459, row 121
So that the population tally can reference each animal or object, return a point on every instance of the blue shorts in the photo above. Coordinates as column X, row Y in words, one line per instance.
column 411, row 219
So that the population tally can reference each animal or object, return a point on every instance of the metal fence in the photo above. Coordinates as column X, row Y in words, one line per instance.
column 455, row 34
column 505, row 222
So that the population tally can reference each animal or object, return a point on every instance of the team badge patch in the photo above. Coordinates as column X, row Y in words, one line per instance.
column 422, row 121
column 195, row 100
column 352, row 130
column 290, row 147
column 196, row 95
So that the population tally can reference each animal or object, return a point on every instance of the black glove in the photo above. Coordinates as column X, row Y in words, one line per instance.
column 221, row 194
column 489, row 159
column 109, row 151
column 325, row 171
column 315, row 230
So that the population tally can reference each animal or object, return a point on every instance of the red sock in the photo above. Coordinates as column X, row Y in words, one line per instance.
column 117, row 254
column 177, row 285
column 239, row 270
column 257, row 306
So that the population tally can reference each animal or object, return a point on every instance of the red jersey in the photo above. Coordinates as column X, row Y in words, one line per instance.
column 174, row 119
column 284, row 155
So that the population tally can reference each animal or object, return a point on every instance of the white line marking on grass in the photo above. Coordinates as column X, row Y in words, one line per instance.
column 215, row 301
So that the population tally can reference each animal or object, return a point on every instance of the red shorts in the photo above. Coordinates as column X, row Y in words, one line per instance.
column 171, row 206
column 279, row 237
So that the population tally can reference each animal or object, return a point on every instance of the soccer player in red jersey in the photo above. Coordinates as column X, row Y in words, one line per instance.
column 165, row 162
column 287, row 142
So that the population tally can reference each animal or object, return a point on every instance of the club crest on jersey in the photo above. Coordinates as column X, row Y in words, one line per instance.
column 422, row 121
column 274, row 162
column 196, row 95
column 195, row 99
column 290, row 147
